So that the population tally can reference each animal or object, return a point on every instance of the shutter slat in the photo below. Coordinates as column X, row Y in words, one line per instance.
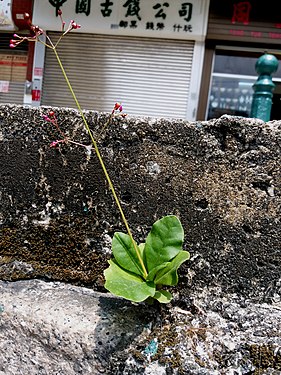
column 15, row 94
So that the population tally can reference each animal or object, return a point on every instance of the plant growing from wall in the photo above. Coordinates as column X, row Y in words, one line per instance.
column 138, row 271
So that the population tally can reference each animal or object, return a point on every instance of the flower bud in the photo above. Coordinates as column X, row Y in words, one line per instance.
column 59, row 12
column 26, row 16
column 51, row 113
column 74, row 25
column 46, row 118
column 117, row 106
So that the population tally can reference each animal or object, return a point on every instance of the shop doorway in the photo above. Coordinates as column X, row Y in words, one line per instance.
column 232, row 78
column 276, row 103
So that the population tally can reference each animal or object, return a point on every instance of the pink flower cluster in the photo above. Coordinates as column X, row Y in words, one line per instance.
column 51, row 117
column 118, row 108
column 74, row 25
column 36, row 31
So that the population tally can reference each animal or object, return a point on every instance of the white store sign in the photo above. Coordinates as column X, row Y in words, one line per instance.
column 177, row 19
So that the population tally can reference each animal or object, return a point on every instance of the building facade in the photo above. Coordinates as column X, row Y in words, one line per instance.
column 193, row 60
column 147, row 54
column 239, row 32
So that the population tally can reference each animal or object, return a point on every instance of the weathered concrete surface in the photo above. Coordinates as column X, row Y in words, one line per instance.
column 222, row 178
column 51, row 328
column 54, row 328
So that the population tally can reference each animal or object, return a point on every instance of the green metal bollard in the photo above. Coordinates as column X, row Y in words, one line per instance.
column 263, row 87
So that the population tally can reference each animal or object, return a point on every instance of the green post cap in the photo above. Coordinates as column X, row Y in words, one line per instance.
column 266, row 64
column 263, row 87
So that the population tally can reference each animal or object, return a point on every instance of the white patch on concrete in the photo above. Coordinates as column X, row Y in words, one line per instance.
column 153, row 168
column 44, row 222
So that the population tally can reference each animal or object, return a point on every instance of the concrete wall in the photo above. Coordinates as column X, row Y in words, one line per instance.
column 222, row 178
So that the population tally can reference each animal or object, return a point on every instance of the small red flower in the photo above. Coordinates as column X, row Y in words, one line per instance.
column 51, row 113
column 74, row 25
column 117, row 106
column 37, row 30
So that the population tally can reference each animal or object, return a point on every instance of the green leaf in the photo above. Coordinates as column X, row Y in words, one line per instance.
column 168, row 275
column 154, row 271
column 163, row 296
column 125, row 253
column 127, row 285
column 163, row 242
column 141, row 247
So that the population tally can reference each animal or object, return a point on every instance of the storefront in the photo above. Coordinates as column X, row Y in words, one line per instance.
column 238, row 34
column 146, row 54
column 14, row 63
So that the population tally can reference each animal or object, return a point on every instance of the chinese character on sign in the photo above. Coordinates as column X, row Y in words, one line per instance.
column 177, row 27
column 186, row 11
column 256, row 34
column 106, row 12
column 57, row 4
column 237, row 32
column 160, row 26
column 241, row 12
column 123, row 24
column 83, row 6
column 187, row 28
column 133, row 24
column 161, row 12
column 133, row 8
column 149, row 26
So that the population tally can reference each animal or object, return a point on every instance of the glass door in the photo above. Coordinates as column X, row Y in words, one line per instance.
column 232, row 79
column 230, row 95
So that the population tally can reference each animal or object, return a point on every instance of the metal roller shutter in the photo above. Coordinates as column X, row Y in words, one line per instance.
column 13, row 93
column 149, row 76
column 13, row 67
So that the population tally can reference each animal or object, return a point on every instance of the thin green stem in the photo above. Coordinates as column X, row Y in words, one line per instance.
column 102, row 164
